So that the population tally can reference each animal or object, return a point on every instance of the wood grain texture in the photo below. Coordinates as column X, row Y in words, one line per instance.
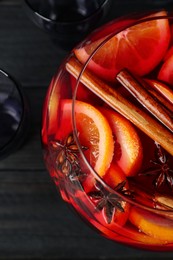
column 34, row 222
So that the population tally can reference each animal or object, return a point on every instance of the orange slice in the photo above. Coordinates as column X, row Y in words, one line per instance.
column 166, row 71
column 168, row 54
column 50, row 112
column 128, row 153
column 55, row 93
column 152, row 224
column 139, row 48
column 83, row 93
column 94, row 133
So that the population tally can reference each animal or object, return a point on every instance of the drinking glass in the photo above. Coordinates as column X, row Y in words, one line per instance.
column 107, row 130
column 14, row 114
column 67, row 22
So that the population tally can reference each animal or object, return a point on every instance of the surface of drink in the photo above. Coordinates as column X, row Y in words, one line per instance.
column 108, row 133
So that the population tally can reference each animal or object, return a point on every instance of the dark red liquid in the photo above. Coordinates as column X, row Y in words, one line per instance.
column 143, row 200
column 10, row 117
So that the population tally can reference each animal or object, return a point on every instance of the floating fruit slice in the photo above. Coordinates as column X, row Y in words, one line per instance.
column 55, row 92
column 135, row 48
column 166, row 71
column 168, row 54
column 94, row 133
column 127, row 148
column 83, row 93
column 110, row 28
column 152, row 224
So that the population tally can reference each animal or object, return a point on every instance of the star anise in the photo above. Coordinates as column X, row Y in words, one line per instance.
column 67, row 158
column 109, row 202
column 160, row 168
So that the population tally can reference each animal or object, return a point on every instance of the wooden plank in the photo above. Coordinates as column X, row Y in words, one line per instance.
column 36, row 224
column 26, row 51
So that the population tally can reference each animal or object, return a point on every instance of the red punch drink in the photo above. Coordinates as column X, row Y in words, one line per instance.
column 107, row 130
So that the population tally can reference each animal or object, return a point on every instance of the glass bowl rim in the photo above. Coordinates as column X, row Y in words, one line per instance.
column 4, row 149
column 68, row 23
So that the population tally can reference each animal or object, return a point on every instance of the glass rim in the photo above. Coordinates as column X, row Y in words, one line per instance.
column 54, row 22
column 75, row 133
column 20, row 94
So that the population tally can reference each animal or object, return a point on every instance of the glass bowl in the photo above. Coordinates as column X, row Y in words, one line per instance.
column 14, row 114
column 107, row 130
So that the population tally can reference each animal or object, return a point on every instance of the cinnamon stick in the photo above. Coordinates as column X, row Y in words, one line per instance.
column 157, row 93
column 165, row 103
column 112, row 97
column 151, row 103
column 162, row 89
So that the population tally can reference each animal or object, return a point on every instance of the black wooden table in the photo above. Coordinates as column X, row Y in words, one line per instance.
column 34, row 222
